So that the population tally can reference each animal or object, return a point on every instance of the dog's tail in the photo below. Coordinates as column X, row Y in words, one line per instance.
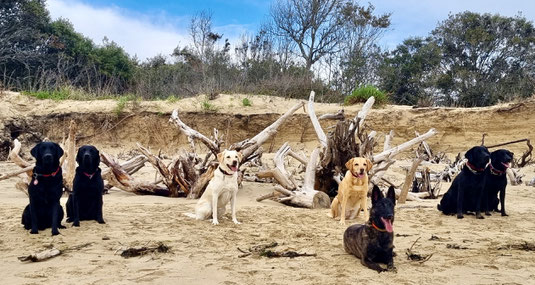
column 191, row 215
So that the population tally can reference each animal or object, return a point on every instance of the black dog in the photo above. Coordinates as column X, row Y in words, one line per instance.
column 496, row 180
column 466, row 190
column 45, row 190
column 373, row 242
column 85, row 203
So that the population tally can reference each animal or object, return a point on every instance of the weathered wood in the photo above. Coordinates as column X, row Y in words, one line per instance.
column 69, row 157
column 279, row 173
column 119, row 178
column 337, row 116
column 15, row 157
column 397, row 149
column 40, row 256
column 15, row 173
column 388, row 140
column 173, row 183
column 408, row 181
column 250, row 146
column 192, row 134
column 315, row 123
column 200, row 184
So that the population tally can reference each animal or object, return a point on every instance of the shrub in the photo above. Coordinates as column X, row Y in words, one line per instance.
column 207, row 106
column 246, row 102
column 361, row 94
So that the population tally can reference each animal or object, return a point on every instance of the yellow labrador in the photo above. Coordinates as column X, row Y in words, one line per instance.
column 352, row 191
column 221, row 189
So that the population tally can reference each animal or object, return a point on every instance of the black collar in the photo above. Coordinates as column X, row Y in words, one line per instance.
column 224, row 172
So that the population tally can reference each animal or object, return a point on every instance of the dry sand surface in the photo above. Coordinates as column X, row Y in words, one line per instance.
column 466, row 251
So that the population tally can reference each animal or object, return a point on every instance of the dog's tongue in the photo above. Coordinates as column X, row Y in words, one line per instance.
column 233, row 168
column 506, row 164
column 388, row 225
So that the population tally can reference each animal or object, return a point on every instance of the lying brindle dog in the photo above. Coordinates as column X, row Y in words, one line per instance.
column 373, row 242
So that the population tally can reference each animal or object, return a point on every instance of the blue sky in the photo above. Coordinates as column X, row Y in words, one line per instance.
column 147, row 28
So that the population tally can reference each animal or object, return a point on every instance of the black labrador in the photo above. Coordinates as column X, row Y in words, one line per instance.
column 466, row 190
column 373, row 242
column 45, row 190
column 85, row 202
column 496, row 180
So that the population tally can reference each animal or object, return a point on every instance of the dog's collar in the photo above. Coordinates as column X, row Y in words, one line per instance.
column 224, row 172
column 89, row 175
column 472, row 168
column 377, row 228
column 495, row 171
column 35, row 175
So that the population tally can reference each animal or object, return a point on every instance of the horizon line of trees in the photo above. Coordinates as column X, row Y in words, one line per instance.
column 330, row 46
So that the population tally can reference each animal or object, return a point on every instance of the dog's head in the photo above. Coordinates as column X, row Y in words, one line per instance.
column 501, row 159
column 382, row 211
column 47, row 155
column 229, row 160
column 359, row 166
column 478, row 156
column 88, row 158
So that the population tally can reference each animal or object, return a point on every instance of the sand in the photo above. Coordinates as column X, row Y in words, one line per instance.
column 205, row 254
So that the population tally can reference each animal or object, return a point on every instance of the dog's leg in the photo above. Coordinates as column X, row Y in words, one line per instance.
column 215, row 198
column 55, row 216
column 364, row 205
column 460, row 198
column 390, row 262
column 335, row 208
column 372, row 265
column 233, row 207
column 478, row 201
column 76, row 210
column 33, row 215
column 343, row 212
column 502, row 202
column 100, row 218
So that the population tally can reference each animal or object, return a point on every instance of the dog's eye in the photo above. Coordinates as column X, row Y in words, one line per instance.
column 228, row 156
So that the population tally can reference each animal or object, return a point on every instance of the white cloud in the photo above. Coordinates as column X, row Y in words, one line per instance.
column 139, row 35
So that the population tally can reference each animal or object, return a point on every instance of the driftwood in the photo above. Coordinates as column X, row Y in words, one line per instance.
column 140, row 251
column 119, row 178
column 40, row 256
column 337, row 116
column 15, row 157
column 192, row 134
column 263, row 250
column 69, row 158
column 305, row 196
column 279, row 173
column 408, row 181
column 15, row 173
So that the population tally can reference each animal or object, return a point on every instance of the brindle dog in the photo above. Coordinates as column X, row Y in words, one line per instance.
column 373, row 242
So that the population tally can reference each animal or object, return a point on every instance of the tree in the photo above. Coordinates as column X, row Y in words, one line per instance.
column 407, row 72
column 485, row 58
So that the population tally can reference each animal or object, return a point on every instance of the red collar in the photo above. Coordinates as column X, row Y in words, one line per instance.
column 89, row 175
column 377, row 228
column 47, row 175
column 495, row 171
column 473, row 168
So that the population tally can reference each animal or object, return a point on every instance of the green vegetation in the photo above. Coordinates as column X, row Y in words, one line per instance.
column 246, row 102
column 53, row 95
column 208, row 107
column 172, row 99
column 123, row 101
column 361, row 94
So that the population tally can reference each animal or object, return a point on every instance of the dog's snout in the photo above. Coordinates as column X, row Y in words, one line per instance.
column 48, row 157
column 362, row 171
column 234, row 162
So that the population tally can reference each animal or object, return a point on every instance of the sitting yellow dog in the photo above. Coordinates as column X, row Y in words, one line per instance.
column 352, row 191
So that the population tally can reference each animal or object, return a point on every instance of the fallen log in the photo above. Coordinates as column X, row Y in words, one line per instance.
column 408, row 181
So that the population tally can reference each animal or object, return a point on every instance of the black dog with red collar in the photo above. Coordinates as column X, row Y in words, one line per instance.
column 496, row 181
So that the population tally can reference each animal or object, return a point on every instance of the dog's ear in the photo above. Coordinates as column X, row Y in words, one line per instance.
column 470, row 154
column 240, row 156
column 59, row 150
column 349, row 164
column 79, row 155
column 97, row 159
column 376, row 194
column 369, row 164
column 35, row 150
column 220, row 156
column 391, row 194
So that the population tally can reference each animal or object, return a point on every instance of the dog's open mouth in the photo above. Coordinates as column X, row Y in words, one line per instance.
column 506, row 164
column 234, row 168
column 388, row 224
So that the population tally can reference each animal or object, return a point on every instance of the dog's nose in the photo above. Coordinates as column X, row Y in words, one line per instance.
column 362, row 171
column 234, row 162
column 390, row 217
column 47, row 157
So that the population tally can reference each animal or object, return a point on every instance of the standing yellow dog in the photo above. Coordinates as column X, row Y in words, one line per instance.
column 352, row 191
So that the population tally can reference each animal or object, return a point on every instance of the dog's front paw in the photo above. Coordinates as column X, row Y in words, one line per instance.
column 504, row 214
column 215, row 222
column 55, row 232
column 62, row 227
column 236, row 222
column 392, row 268
column 101, row 221
column 343, row 223
column 460, row 216
column 479, row 216
column 34, row 232
column 76, row 224
column 487, row 213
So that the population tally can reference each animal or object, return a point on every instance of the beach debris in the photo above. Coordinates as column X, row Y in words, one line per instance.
column 50, row 252
column 413, row 256
column 140, row 251
column 265, row 251
column 524, row 245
